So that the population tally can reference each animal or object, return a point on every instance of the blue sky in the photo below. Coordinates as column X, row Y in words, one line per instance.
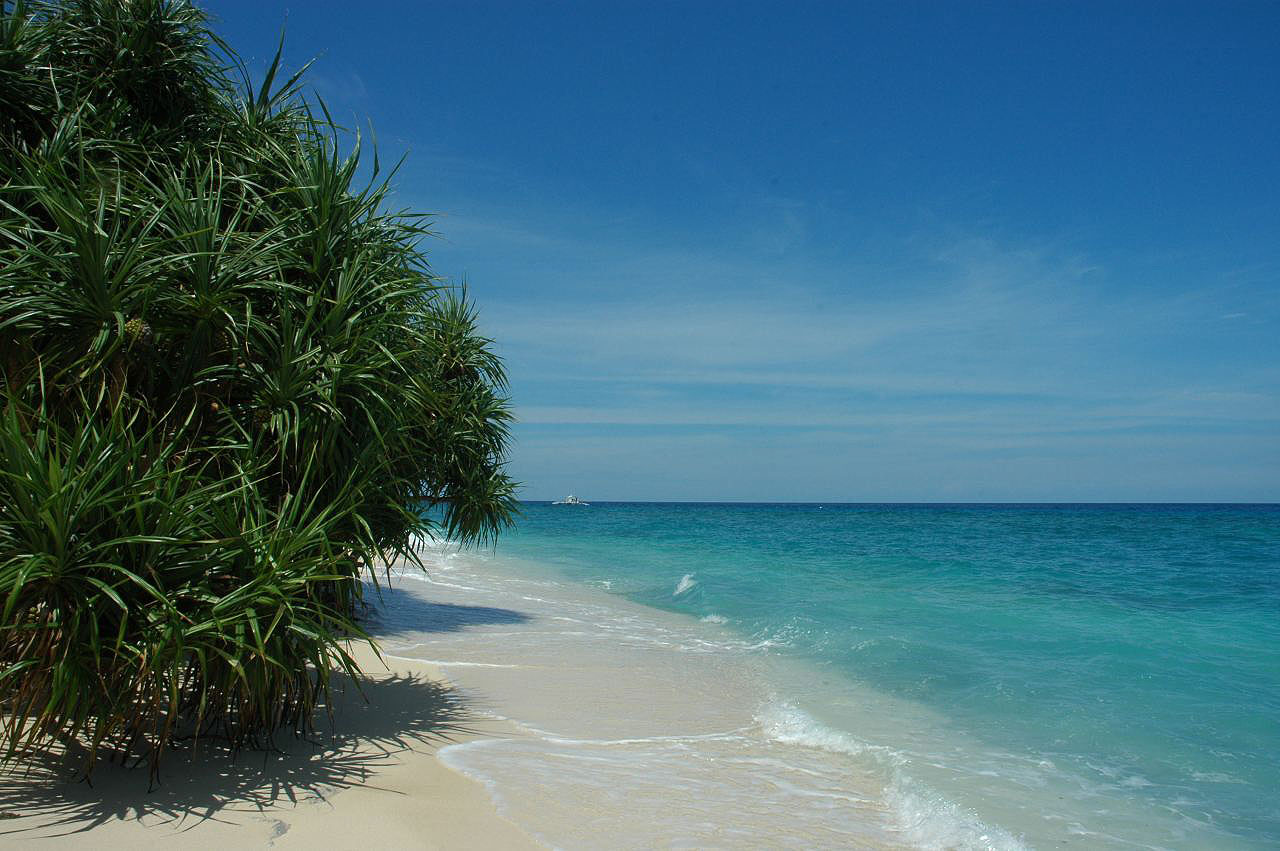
column 856, row 252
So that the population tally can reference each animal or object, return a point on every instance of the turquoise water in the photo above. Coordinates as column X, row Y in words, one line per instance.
column 1123, row 660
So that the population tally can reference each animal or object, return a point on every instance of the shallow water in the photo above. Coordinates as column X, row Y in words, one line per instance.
column 931, row 676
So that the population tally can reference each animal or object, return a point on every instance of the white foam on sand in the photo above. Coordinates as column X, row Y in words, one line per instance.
column 655, row 727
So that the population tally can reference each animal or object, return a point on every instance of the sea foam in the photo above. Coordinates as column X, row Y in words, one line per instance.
column 922, row 816
column 1046, row 669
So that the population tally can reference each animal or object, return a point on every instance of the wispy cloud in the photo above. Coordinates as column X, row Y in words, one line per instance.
column 339, row 87
column 949, row 348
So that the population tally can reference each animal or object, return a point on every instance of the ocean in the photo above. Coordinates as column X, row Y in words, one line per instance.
column 930, row 676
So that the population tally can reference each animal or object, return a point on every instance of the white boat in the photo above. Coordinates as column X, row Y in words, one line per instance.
column 570, row 500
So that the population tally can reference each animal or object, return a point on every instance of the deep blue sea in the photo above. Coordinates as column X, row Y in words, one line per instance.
column 1113, row 667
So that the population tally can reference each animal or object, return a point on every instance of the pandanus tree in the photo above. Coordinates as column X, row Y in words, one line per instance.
column 230, row 386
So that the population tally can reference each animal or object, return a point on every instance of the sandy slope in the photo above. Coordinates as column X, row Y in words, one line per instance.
column 371, row 781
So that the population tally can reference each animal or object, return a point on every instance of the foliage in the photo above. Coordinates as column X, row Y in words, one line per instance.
column 230, row 386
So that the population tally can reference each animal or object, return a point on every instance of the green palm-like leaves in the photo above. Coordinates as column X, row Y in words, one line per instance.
column 229, row 387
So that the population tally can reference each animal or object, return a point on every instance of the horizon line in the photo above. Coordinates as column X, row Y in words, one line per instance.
column 901, row 502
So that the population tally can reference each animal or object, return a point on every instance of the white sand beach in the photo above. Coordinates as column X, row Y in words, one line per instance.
column 370, row 779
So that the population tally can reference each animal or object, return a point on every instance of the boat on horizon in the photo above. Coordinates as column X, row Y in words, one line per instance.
column 570, row 500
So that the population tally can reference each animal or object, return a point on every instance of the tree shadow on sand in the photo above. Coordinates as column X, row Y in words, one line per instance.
column 46, row 797
column 396, row 610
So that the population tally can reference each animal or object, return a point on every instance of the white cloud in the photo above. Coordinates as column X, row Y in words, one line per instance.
column 675, row 370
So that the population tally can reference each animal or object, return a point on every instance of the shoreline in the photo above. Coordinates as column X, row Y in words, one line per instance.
column 665, row 727
column 655, row 728
column 369, row 778
column 525, row 708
